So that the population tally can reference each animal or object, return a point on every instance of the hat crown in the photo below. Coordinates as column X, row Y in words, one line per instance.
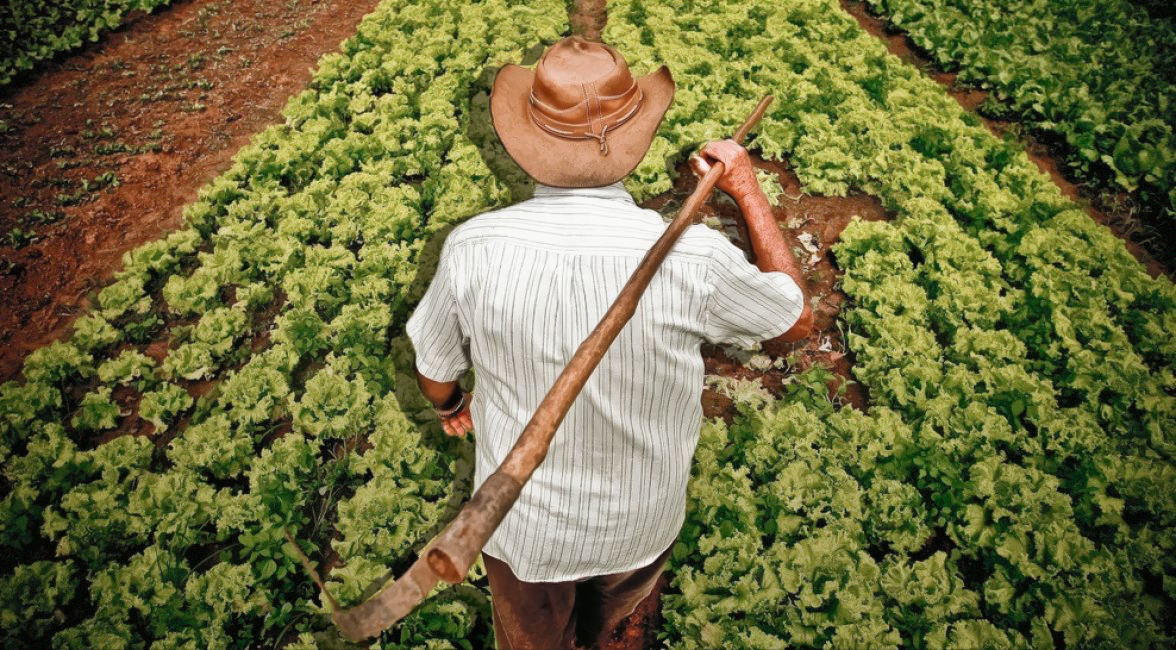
column 583, row 90
column 572, row 64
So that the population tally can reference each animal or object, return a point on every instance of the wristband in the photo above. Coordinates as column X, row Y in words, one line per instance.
column 458, row 408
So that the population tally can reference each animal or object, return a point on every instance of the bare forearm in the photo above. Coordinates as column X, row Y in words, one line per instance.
column 439, row 393
column 772, row 252
column 450, row 403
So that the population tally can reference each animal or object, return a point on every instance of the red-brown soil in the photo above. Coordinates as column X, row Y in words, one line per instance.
column 159, row 107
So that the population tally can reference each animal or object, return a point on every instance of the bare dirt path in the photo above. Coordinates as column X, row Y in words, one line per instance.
column 100, row 150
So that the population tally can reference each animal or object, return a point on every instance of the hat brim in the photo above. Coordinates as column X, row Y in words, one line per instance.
column 562, row 162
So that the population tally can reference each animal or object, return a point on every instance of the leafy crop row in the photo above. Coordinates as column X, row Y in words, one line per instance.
column 32, row 31
column 1007, row 487
column 1097, row 75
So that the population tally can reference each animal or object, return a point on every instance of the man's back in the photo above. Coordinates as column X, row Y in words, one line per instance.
column 523, row 286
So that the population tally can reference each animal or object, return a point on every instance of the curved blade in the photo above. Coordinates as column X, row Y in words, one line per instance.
column 391, row 604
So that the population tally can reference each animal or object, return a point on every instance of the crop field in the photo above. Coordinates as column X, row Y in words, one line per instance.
column 1005, row 477
column 1050, row 66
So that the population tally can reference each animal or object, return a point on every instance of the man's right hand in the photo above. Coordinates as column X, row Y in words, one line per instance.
column 738, row 177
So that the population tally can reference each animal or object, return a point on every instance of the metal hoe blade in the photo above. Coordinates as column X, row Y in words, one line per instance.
column 391, row 604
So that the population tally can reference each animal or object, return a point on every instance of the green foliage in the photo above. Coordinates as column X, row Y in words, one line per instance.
column 92, row 332
column 333, row 405
column 126, row 295
column 405, row 492
column 257, row 392
column 31, row 597
column 20, row 406
column 154, row 259
column 207, row 344
column 774, row 535
column 1094, row 75
column 197, row 292
column 131, row 366
column 148, row 589
column 90, row 521
column 56, row 363
column 32, row 31
column 189, row 361
column 453, row 619
column 219, row 328
column 213, row 598
column 996, row 325
column 97, row 411
column 770, row 185
column 213, row 446
column 161, row 406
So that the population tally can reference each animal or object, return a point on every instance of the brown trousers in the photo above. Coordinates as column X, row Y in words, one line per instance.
column 564, row 615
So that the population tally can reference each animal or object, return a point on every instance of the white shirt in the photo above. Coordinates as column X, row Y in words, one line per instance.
column 516, row 292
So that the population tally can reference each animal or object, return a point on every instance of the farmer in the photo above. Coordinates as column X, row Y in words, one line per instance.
column 518, row 289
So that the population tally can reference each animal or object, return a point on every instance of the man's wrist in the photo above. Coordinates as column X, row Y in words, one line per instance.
column 743, row 185
column 455, row 399
column 454, row 409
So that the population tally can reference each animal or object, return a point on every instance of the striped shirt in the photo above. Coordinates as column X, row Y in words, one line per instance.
column 516, row 291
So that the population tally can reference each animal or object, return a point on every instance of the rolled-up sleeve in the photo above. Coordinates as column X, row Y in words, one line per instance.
column 435, row 329
column 747, row 305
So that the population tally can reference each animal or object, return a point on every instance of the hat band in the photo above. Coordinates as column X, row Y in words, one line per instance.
column 585, row 130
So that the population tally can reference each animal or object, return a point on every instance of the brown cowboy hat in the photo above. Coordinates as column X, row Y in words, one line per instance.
column 579, row 119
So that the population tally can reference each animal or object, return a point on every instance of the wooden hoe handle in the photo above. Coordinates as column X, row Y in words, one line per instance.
column 452, row 553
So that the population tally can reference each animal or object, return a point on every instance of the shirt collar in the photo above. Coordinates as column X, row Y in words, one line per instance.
column 615, row 191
